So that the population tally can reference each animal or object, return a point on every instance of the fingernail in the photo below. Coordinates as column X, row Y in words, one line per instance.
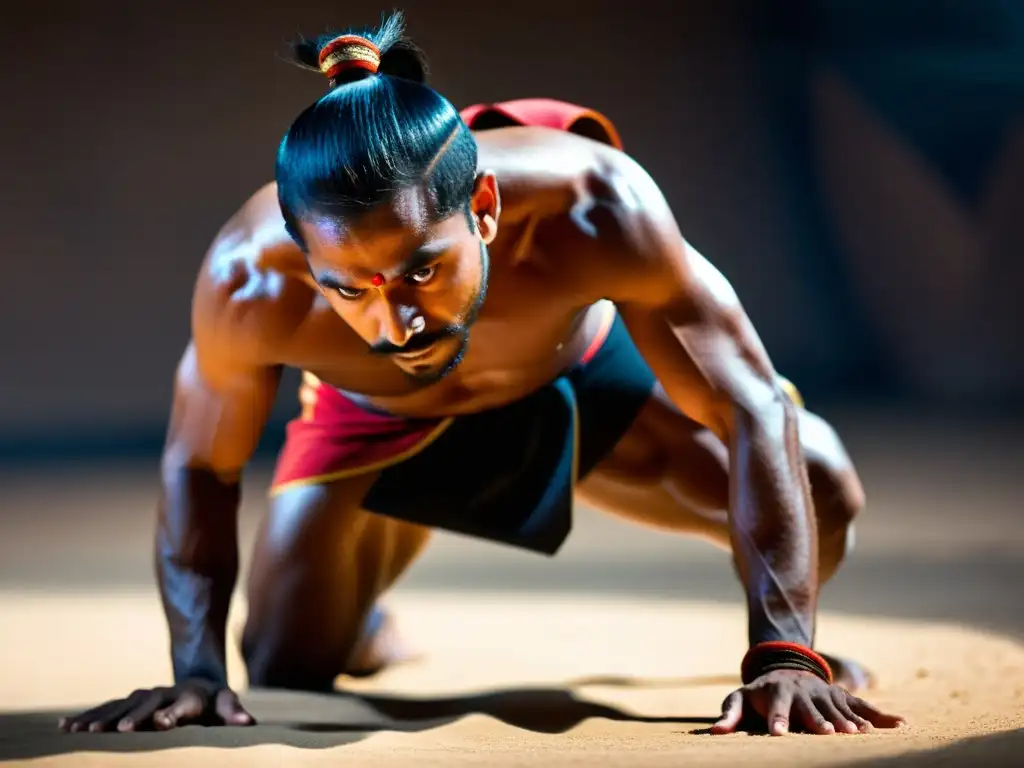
column 125, row 725
column 93, row 727
column 829, row 728
column 62, row 722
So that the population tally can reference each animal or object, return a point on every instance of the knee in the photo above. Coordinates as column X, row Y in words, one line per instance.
column 837, row 507
column 259, row 657
column 288, row 586
column 836, row 490
column 838, row 499
column 263, row 661
column 838, row 496
column 272, row 661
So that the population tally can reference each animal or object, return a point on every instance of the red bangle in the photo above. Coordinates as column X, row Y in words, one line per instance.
column 778, row 654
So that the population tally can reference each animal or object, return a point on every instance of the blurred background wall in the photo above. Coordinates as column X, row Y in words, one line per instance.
column 855, row 167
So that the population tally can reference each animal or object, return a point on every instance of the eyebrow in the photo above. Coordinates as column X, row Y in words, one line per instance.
column 419, row 258
column 328, row 280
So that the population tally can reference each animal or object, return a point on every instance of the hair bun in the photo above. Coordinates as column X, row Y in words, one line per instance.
column 346, row 53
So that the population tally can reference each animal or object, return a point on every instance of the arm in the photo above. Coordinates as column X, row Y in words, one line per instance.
column 220, row 407
column 688, row 323
column 224, row 389
column 708, row 358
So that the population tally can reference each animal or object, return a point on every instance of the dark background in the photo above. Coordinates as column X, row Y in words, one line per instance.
column 855, row 168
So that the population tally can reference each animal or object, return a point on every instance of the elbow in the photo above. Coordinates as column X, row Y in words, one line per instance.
column 764, row 410
column 180, row 461
column 196, row 519
column 178, row 453
column 173, row 463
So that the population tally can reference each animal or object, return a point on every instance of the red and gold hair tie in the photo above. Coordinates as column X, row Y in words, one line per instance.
column 349, row 52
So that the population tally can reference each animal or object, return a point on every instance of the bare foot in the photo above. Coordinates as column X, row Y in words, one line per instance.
column 849, row 674
column 381, row 646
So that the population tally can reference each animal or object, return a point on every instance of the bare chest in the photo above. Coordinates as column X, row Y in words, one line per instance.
column 525, row 336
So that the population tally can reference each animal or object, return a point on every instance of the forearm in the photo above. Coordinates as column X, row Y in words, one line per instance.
column 772, row 525
column 197, row 567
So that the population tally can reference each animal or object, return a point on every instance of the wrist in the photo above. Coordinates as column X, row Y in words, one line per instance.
column 210, row 674
column 766, row 657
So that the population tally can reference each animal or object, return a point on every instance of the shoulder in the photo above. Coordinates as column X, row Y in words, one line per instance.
column 250, row 293
column 628, row 245
column 647, row 259
column 644, row 223
column 618, row 231
column 552, row 172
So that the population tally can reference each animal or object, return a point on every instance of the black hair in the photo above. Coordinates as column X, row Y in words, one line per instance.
column 373, row 134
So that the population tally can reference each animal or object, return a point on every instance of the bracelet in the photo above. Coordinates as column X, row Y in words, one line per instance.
column 770, row 656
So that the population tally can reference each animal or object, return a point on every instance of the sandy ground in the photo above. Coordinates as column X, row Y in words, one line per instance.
column 616, row 653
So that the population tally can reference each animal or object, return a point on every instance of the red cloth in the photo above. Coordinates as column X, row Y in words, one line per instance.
column 548, row 113
column 336, row 438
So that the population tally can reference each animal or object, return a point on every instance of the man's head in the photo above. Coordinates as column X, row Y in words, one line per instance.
column 378, row 183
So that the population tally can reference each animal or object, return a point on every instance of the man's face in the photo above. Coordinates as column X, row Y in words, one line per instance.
column 409, row 286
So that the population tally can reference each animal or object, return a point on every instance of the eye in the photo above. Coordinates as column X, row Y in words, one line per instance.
column 349, row 293
column 422, row 275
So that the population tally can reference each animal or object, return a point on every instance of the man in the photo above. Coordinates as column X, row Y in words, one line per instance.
column 488, row 323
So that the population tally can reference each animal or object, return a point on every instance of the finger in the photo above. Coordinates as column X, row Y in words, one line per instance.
column 187, row 707
column 873, row 715
column 779, row 710
column 139, row 715
column 230, row 709
column 813, row 721
column 74, row 723
column 105, row 716
column 732, row 712
column 82, row 721
column 839, row 697
column 70, row 724
column 827, row 707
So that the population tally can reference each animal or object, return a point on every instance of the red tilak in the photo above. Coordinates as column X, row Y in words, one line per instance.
column 377, row 280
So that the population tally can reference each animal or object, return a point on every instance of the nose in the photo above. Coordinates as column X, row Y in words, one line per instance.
column 399, row 322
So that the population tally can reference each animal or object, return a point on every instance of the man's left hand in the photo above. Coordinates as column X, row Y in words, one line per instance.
column 794, row 700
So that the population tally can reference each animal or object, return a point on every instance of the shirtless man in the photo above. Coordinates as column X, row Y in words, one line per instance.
column 494, row 311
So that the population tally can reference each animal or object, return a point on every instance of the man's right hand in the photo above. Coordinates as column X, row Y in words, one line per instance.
column 192, row 703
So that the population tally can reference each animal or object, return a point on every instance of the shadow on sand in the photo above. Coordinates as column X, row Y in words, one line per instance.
column 994, row 749
column 319, row 721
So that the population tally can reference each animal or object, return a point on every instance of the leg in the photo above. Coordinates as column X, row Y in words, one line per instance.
column 319, row 566
column 672, row 473
column 669, row 472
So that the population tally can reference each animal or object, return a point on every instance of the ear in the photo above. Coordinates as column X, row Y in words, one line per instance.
column 485, row 205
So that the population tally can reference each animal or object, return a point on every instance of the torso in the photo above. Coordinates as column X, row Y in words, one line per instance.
column 507, row 359
column 541, row 313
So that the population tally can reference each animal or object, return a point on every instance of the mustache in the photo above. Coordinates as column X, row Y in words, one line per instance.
column 418, row 342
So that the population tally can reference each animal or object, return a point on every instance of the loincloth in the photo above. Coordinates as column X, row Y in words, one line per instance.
column 505, row 475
